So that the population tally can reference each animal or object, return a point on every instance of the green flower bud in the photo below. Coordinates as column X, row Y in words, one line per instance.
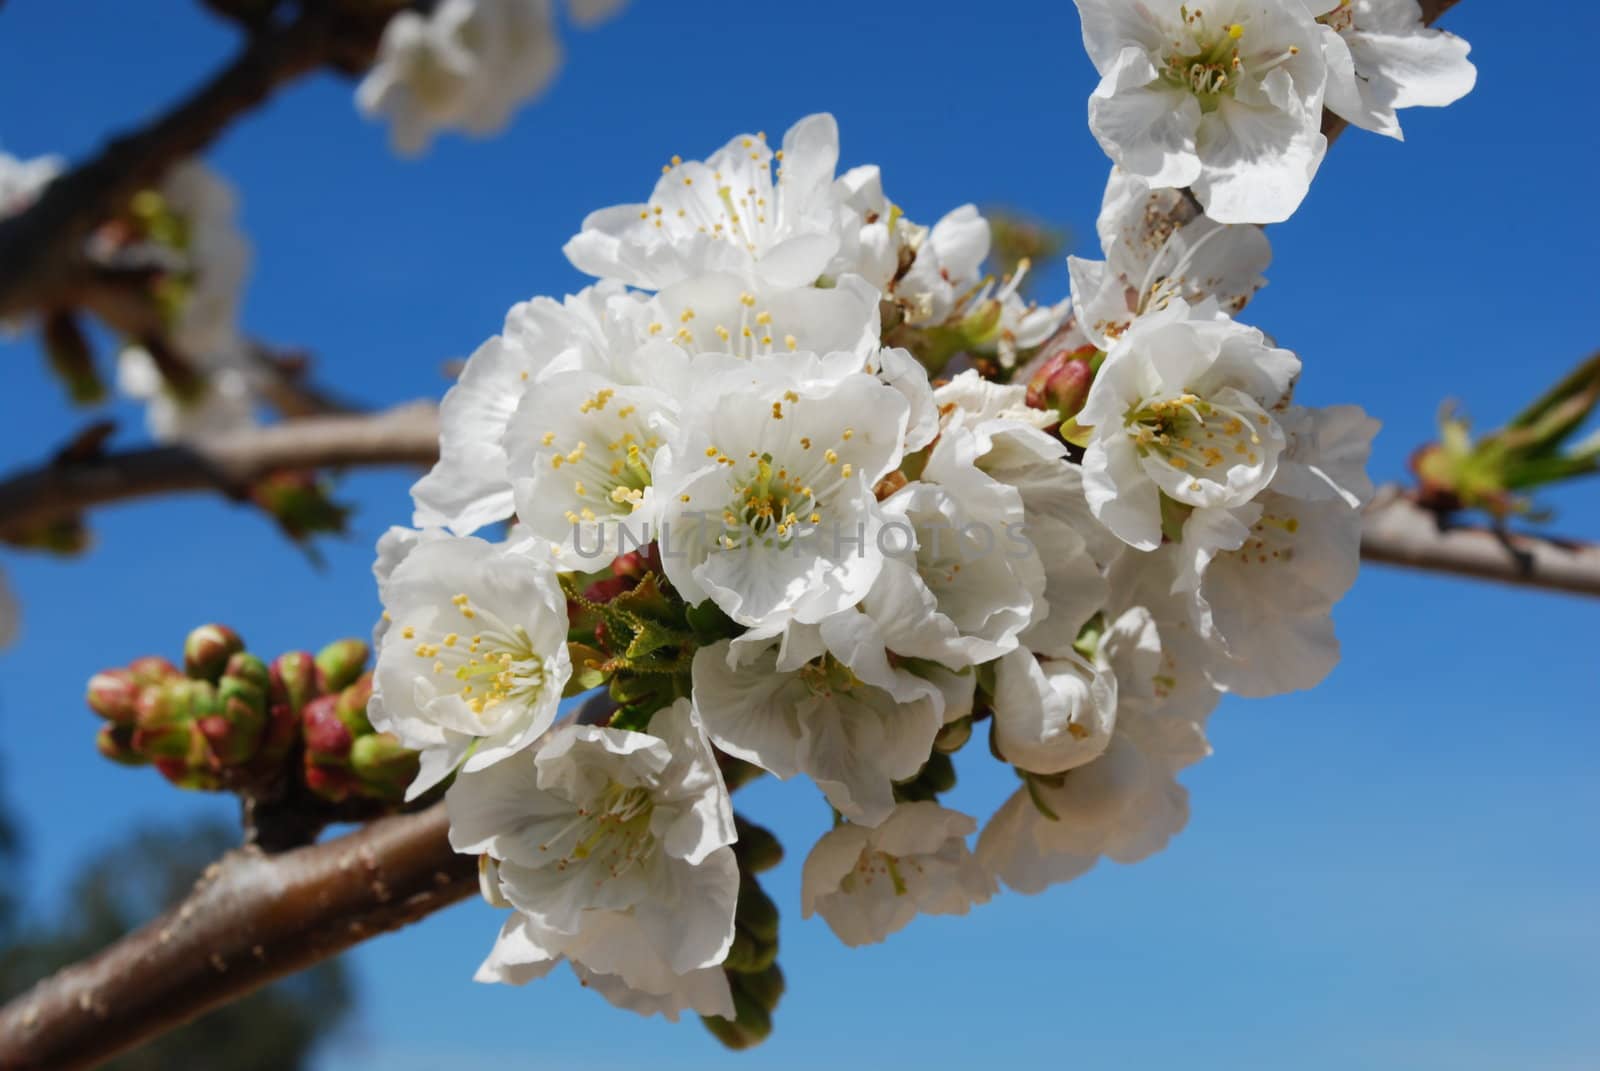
column 249, row 669
column 756, row 912
column 351, row 707
column 113, row 694
column 294, row 680
column 72, row 358
column 766, row 987
column 341, row 662
column 234, row 734
column 384, row 767
column 207, row 650
column 750, row 1026
column 152, row 670
column 953, row 737
column 115, row 742
column 757, row 848
column 749, row 953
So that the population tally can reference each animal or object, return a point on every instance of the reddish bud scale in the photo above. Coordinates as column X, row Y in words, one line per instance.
column 326, row 736
column 152, row 670
column 115, row 742
column 208, row 649
column 1061, row 385
column 114, row 695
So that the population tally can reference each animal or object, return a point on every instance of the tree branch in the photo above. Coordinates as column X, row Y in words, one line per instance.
column 226, row 464
column 41, row 248
column 252, row 919
column 1397, row 531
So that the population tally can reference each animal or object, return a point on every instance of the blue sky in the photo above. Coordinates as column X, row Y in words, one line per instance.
column 1397, row 870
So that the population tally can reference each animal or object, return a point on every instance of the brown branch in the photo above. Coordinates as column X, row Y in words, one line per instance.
column 226, row 464
column 252, row 919
column 41, row 248
column 1397, row 531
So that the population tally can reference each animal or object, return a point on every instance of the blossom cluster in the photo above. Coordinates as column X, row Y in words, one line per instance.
column 805, row 489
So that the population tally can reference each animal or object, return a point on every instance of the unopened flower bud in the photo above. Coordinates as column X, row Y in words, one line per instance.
column 333, row 783
column 341, row 662
column 607, row 588
column 115, row 742
column 757, row 848
column 152, row 670
column 72, row 358
column 234, row 734
column 207, row 650
column 353, row 702
column 294, row 679
column 1061, row 385
column 766, row 987
column 953, row 737
column 384, row 767
column 249, row 669
column 749, row 1027
column 328, row 740
column 113, row 694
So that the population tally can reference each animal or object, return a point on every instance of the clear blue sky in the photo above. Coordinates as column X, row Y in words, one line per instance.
column 1397, row 871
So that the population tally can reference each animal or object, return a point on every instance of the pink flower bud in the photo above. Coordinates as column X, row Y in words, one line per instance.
column 113, row 694
column 1061, row 385
column 325, row 735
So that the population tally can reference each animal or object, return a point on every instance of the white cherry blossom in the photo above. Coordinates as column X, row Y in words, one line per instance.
column 1224, row 98
column 1052, row 714
column 766, row 496
column 1381, row 57
column 613, row 848
column 1152, row 258
column 1182, row 410
column 472, row 659
column 465, row 65
column 855, row 729
column 1124, row 805
column 1265, row 598
column 728, row 214
column 868, row 883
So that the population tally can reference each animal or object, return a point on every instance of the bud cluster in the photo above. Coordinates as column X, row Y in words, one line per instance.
column 229, row 720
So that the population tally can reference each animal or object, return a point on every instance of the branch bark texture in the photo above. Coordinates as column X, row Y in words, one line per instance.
column 252, row 919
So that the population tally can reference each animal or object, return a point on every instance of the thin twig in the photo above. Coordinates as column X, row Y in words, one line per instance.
column 252, row 919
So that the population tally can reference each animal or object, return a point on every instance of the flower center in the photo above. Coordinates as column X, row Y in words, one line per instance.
column 1210, row 69
column 492, row 664
column 1209, row 62
column 827, row 676
column 614, row 831
column 1271, row 540
column 611, row 480
column 1194, row 435
column 751, row 332
column 874, row 866
column 770, row 502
